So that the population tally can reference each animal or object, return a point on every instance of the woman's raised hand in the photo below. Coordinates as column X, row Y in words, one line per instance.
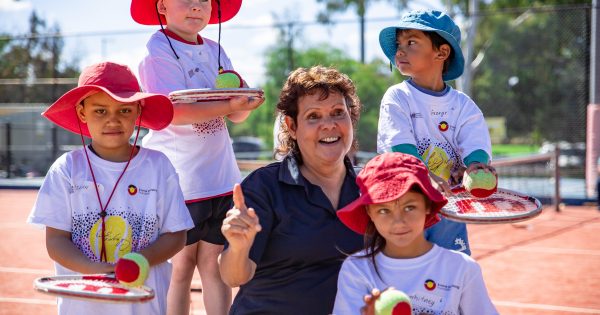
column 241, row 223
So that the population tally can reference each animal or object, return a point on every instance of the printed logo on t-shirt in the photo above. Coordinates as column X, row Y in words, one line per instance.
column 443, row 126
column 430, row 285
column 132, row 190
column 438, row 162
column 117, row 237
column 424, row 302
column 85, row 186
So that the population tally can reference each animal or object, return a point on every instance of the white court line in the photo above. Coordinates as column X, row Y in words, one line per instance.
column 547, row 307
column 27, row 270
column 27, row 301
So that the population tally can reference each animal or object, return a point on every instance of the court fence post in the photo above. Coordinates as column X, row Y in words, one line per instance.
column 557, row 198
column 7, row 128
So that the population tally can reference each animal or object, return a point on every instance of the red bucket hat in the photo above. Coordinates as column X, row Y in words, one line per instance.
column 387, row 177
column 120, row 84
column 144, row 11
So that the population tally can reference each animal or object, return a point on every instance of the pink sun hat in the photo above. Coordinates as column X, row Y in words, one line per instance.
column 144, row 11
column 387, row 177
column 120, row 84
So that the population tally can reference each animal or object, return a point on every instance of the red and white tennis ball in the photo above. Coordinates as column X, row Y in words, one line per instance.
column 480, row 183
column 132, row 269
column 393, row 302
column 228, row 79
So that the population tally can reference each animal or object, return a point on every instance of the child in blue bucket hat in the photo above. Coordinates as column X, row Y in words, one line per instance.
column 425, row 117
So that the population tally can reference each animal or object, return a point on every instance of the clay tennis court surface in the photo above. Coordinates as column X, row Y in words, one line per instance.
column 548, row 265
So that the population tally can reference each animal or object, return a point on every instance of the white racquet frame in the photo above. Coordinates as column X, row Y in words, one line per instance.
column 503, row 206
column 96, row 287
column 205, row 95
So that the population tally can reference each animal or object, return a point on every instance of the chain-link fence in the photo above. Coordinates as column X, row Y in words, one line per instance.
column 530, row 78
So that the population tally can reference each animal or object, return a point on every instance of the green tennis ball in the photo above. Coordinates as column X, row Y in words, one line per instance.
column 480, row 184
column 393, row 302
column 229, row 79
column 132, row 269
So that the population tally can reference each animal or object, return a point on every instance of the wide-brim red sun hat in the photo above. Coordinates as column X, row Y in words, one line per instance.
column 144, row 11
column 120, row 84
column 385, row 178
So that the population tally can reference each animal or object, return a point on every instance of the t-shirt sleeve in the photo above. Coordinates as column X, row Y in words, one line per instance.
column 53, row 206
column 161, row 75
column 395, row 125
column 475, row 298
column 351, row 289
column 172, row 210
column 258, row 200
column 472, row 133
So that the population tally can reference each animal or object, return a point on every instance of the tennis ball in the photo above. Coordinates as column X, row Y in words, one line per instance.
column 132, row 269
column 228, row 79
column 480, row 184
column 393, row 302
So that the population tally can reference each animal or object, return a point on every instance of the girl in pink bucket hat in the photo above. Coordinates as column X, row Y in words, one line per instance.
column 397, row 203
column 110, row 197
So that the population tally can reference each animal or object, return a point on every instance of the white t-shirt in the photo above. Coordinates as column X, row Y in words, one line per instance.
column 146, row 204
column 440, row 282
column 201, row 152
column 445, row 129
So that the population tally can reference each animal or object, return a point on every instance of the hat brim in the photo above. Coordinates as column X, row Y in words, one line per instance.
column 387, row 41
column 144, row 11
column 354, row 215
column 157, row 109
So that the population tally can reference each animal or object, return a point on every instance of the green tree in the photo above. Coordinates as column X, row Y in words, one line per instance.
column 34, row 55
column 533, row 70
column 361, row 6
column 371, row 81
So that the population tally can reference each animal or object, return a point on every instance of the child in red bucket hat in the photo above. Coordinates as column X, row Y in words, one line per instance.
column 397, row 203
column 110, row 198
column 197, row 141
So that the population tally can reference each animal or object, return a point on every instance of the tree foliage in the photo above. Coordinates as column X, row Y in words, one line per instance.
column 371, row 81
column 360, row 6
column 534, row 68
column 34, row 55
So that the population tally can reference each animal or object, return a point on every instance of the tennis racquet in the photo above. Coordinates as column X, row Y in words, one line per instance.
column 99, row 287
column 204, row 95
column 503, row 206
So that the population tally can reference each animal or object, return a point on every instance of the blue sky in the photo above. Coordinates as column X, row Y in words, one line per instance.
column 111, row 34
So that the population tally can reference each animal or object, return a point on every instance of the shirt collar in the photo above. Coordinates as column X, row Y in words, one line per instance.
column 180, row 39
column 289, row 172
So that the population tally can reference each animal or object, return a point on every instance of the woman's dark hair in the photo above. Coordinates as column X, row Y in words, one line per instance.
column 374, row 242
column 309, row 81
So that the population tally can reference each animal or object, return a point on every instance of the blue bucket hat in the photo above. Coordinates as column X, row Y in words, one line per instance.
column 429, row 21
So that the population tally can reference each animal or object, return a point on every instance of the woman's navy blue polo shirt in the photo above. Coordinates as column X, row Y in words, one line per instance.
column 302, row 244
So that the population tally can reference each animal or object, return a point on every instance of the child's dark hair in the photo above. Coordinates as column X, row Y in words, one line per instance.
column 374, row 242
column 437, row 41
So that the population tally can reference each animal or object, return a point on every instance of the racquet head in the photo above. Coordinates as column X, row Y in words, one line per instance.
column 99, row 287
column 503, row 206
column 204, row 95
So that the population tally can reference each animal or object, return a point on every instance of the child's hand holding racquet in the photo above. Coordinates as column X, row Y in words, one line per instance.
column 440, row 184
column 245, row 103
column 241, row 223
column 481, row 180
